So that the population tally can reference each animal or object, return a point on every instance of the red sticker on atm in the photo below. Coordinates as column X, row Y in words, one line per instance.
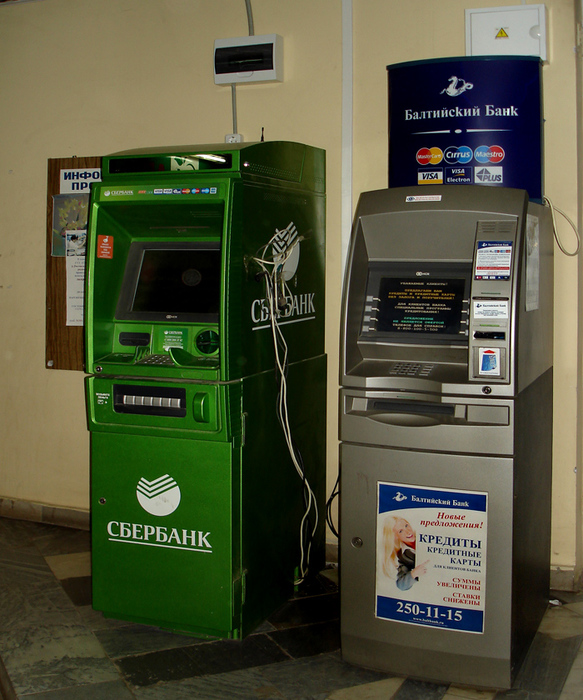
column 105, row 247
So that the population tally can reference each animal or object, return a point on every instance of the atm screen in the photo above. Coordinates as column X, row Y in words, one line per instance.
column 171, row 281
column 420, row 305
column 413, row 303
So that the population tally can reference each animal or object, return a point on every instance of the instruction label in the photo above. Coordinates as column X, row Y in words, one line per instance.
column 490, row 309
column 493, row 260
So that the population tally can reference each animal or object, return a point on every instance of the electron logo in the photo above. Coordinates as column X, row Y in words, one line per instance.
column 285, row 248
column 429, row 156
column 489, row 154
column 158, row 497
column 458, row 155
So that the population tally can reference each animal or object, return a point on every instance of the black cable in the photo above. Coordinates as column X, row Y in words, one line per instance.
column 330, row 501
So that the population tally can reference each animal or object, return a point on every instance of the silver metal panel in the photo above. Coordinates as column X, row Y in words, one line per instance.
column 414, row 421
column 412, row 648
column 423, row 413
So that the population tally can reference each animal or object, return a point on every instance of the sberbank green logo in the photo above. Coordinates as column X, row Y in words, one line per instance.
column 158, row 497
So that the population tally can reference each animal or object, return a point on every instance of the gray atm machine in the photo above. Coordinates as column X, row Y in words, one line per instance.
column 446, row 432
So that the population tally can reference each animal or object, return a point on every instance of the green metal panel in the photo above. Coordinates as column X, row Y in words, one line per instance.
column 178, row 569
column 272, row 503
column 211, row 411
column 268, row 187
column 185, row 401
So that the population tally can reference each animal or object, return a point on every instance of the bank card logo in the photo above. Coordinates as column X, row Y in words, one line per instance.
column 489, row 154
column 285, row 248
column 429, row 156
column 158, row 497
column 459, row 176
column 458, row 155
column 430, row 177
column 456, row 86
column 490, row 176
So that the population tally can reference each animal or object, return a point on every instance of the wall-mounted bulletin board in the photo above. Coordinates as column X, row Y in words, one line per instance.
column 68, row 187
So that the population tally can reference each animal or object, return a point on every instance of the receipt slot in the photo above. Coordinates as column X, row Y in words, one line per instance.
column 201, row 522
column 446, row 427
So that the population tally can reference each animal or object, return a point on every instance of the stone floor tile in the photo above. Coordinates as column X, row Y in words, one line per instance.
column 70, row 565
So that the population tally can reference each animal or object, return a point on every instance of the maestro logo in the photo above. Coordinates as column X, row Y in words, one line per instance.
column 160, row 496
column 489, row 154
column 458, row 154
column 429, row 156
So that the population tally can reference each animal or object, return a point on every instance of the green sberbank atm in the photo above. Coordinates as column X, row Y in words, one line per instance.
column 206, row 400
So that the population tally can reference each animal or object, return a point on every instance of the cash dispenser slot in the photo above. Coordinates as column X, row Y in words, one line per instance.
column 489, row 335
column 146, row 400
column 413, row 407
column 134, row 339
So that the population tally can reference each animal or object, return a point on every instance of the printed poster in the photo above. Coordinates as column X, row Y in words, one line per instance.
column 76, row 242
column 431, row 557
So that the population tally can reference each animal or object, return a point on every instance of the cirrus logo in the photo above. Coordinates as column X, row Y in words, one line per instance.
column 158, row 497
column 458, row 154
column 489, row 154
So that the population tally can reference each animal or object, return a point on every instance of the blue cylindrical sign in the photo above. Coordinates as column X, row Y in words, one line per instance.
column 468, row 120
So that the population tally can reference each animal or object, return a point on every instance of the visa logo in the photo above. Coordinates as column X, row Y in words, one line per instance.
column 430, row 176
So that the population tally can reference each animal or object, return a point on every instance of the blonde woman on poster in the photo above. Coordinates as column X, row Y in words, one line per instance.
column 399, row 555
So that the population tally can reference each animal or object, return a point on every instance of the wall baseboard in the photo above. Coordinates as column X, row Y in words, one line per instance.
column 565, row 580
column 40, row 513
column 561, row 579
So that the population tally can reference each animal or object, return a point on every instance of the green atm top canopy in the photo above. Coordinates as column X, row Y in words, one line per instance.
column 174, row 286
column 271, row 160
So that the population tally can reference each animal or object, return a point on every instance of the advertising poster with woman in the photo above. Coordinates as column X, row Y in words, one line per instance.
column 431, row 556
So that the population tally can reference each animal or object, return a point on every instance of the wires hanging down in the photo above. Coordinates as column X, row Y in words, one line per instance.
column 554, row 209
column 283, row 247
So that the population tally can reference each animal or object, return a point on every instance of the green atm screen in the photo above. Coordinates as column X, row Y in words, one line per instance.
column 164, row 282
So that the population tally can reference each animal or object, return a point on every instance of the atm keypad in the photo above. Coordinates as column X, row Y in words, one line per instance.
column 411, row 369
column 156, row 360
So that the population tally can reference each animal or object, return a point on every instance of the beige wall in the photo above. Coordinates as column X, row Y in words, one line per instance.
column 83, row 78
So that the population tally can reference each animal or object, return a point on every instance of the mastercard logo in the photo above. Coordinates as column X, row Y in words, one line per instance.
column 429, row 156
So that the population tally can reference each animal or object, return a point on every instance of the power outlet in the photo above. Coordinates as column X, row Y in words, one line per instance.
column 234, row 138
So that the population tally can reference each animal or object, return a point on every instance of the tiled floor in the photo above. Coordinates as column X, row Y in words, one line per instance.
column 55, row 647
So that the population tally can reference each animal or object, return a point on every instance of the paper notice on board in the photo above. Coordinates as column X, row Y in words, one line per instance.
column 76, row 248
column 431, row 557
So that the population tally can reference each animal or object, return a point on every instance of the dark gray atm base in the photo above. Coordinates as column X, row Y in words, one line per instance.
column 419, row 663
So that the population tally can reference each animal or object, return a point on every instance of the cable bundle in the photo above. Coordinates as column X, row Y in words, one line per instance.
column 283, row 244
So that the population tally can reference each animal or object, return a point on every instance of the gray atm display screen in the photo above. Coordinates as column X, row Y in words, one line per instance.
column 417, row 302
column 420, row 305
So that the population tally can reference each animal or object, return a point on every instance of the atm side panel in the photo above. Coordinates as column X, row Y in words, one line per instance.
column 270, row 221
column 431, row 640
